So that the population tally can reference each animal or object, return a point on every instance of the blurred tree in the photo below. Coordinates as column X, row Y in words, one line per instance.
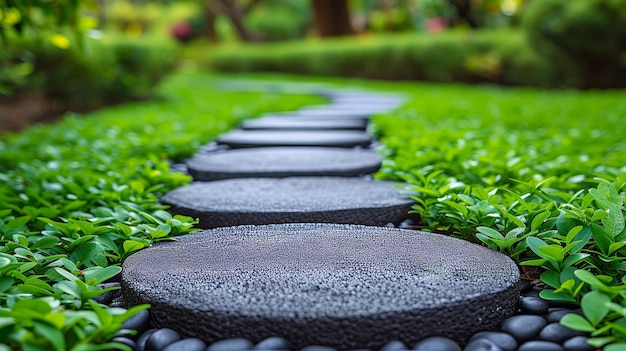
column 235, row 10
column 464, row 13
column 332, row 17
column 34, row 14
column 589, row 35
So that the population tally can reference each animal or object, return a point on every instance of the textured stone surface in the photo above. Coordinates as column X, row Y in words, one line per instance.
column 296, row 123
column 224, row 203
column 343, row 286
column 335, row 113
column 278, row 162
column 260, row 138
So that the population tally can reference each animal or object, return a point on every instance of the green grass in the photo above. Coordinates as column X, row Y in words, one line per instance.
column 538, row 175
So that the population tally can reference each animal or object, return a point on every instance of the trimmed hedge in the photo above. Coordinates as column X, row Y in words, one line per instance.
column 84, row 74
column 489, row 56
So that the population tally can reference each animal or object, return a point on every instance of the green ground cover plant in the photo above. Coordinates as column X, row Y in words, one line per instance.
column 538, row 175
column 79, row 196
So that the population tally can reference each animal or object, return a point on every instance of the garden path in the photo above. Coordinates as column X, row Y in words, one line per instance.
column 325, row 278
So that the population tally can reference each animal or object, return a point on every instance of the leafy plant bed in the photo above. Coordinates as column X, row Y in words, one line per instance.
column 81, row 195
column 537, row 175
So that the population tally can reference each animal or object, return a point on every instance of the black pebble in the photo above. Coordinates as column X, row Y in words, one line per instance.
column 503, row 340
column 191, row 344
column 141, row 340
column 394, row 345
column 274, row 343
column 555, row 314
column 233, row 344
column 540, row 346
column 138, row 322
column 523, row 327
column 557, row 333
column 318, row 348
column 107, row 297
column 126, row 341
column 482, row 345
column 533, row 305
column 160, row 338
column 437, row 343
column 577, row 343
column 532, row 293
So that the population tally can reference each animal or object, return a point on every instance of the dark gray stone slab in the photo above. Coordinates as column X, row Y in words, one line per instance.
column 260, row 138
column 290, row 123
column 292, row 115
column 225, row 203
column 345, row 286
column 335, row 113
column 276, row 162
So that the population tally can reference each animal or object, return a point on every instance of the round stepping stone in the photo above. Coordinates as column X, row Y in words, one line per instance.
column 334, row 113
column 259, row 138
column 277, row 162
column 223, row 203
column 343, row 286
column 289, row 123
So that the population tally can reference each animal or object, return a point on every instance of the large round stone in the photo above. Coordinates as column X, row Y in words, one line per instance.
column 276, row 162
column 260, row 138
column 291, row 123
column 345, row 286
column 224, row 203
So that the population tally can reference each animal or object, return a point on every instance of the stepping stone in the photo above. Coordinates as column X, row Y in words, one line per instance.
column 260, row 138
column 344, row 286
column 223, row 203
column 276, row 162
column 334, row 113
column 290, row 123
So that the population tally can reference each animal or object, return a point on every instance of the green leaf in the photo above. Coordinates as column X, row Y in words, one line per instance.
column 564, row 224
column 588, row 278
column 616, row 347
column 534, row 244
column 132, row 246
column 601, row 238
column 65, row 274
column 100, row 275
column 577, row 322
column 50, row 333
column 84, row 254
column 595, row 306
column 45, row 242
column 18, row 222
column 538, row 220
column 554, row 296
column 582, row 237
column 490, row 232
column 5, row 283
column 551, row 279
column 614, row 222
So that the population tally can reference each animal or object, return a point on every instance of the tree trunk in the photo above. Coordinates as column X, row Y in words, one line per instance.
column 236, row 13
column 464, row 11
column 209, row 31
column 332, row 17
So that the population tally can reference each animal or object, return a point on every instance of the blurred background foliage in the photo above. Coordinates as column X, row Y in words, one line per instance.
column 85, row 53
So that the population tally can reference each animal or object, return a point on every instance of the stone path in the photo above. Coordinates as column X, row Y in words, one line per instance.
column 314, row 281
